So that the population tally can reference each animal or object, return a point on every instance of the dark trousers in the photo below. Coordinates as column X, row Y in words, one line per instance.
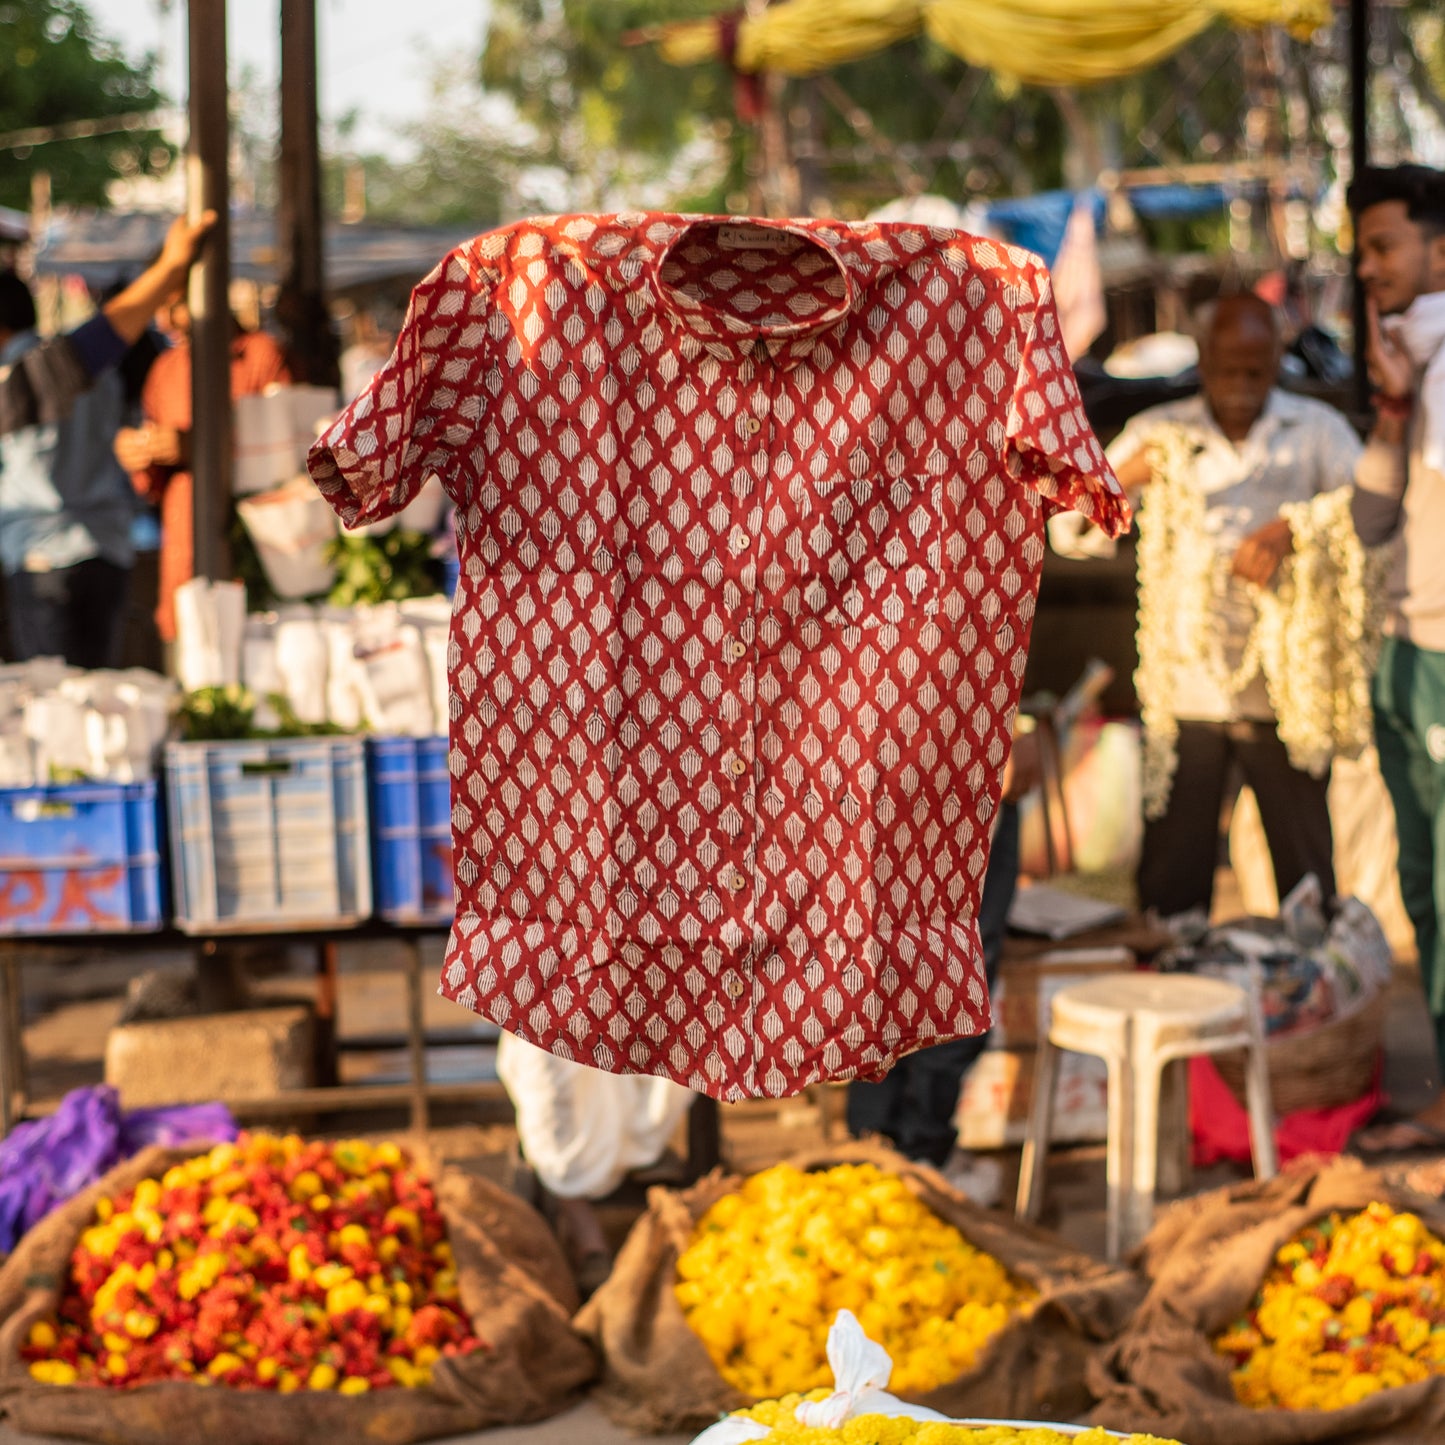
column 77, row 613
column 914, row 1105
column 1409, row 699
column 1181, row 849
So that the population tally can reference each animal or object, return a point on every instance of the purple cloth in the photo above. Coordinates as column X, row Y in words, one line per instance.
column 46, row 1161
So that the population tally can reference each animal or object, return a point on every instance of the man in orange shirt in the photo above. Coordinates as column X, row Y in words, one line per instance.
column 157, row 455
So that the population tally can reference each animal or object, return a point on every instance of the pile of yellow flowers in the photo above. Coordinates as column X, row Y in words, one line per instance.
column 1351, row 1306
column 770, row 1266
column 887, row 1430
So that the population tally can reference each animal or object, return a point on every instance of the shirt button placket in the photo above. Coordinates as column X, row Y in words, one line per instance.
column 740, row 876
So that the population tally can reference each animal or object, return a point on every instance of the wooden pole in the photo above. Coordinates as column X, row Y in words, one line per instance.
column 301, row 305
column 208, row 187
column 1359, row 159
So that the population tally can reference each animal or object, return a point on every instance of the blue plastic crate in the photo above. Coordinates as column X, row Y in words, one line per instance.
column 411, row 829
column 81, row 858
column 268, row 833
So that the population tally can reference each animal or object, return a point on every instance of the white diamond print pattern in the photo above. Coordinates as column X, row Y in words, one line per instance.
column 750, row 538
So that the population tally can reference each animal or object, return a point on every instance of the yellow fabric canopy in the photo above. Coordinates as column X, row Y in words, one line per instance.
column 1037, row 42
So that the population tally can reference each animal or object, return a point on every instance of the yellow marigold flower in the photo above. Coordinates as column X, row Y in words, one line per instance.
column 1347, row 1310
column 769, row 1266
column 52, row 1372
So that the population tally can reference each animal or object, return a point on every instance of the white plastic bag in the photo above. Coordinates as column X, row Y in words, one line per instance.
column 273, row 432
column 210, row 623
column 259, row 672
column 302, row 657
column 433, row 617
column 344, row 703
column 395, row 684
column 861, row 1370
column 292, row 527
column 582, row 1130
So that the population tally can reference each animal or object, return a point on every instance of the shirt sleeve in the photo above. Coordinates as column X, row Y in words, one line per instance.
column 419, row 410
column 42, row 386
column 1339, row 452
column 1052, row 446
column 1378, row 502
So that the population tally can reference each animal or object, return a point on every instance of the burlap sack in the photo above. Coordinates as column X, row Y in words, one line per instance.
column 1204, row 1261
column 514, row 1283
column 657, row 1375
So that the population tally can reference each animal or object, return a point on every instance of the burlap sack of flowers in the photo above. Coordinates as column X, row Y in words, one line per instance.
column 1204, row 1261
column 658, row 1376
column 514, row 1285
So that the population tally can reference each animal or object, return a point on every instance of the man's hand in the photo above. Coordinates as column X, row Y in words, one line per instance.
column 161, row 282
column 1136, row 472
column 1022, row 772
column 137, row 448
column 1260, row 554
column 1388, row 363
column 182, row 244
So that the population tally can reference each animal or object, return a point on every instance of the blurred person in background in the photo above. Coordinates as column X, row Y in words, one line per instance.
column 157, row 454
column 66, row 510
column 1252, row 450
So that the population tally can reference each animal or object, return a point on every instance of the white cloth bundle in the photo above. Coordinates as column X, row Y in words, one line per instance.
column 582, row 1130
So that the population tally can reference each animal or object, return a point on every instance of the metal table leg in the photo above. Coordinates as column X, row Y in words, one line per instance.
column 324, row 1020
column 416, row 1037
column 12, row 1041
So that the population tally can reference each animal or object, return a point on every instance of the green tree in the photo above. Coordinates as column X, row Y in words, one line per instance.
column 467, row 154
column 616, row 125
column 55, row 68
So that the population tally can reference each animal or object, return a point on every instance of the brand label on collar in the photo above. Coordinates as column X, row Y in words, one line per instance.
column 757, row 238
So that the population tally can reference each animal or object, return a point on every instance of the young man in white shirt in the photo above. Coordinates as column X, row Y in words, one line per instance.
column 1400, row 499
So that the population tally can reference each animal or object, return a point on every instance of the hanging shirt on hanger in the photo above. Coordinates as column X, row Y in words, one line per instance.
column 750, row 521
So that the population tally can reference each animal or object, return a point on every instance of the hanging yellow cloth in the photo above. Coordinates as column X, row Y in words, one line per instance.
column 1080, row 42
column 799, row 37
column 1039, row 42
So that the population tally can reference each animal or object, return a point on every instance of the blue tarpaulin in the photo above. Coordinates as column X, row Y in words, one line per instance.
column 1037, row 223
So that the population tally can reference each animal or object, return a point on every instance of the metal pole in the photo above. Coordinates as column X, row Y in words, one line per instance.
column 1359, row 159
column 301, row 304
column 208, row 187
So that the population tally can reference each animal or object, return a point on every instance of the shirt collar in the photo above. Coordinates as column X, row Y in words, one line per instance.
column 629, row 250
column 720, row 331
column 1279, row 410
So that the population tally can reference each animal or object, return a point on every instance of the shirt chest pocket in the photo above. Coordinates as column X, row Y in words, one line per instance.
column 873, row 548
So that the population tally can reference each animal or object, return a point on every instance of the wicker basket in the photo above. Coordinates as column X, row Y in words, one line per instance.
column 1322, row 1067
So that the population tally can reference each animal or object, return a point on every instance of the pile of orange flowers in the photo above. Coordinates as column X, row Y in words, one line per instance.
column 1351, row 1306
column 267, row 1264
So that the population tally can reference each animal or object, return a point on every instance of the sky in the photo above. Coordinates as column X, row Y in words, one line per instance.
column 375, row 56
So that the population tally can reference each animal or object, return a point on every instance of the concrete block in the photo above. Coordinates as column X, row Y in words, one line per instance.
column 225, row 1057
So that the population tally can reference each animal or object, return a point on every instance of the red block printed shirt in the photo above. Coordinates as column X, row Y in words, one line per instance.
column 750, row 522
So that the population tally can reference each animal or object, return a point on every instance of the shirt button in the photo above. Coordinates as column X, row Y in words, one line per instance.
column 734, row 987
column 737, row 882
column 750, row 426
column 739, row 766
column 741, row 542
column 738, row 649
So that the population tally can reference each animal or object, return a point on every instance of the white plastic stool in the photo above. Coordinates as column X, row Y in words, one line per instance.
column 1140, row 1024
